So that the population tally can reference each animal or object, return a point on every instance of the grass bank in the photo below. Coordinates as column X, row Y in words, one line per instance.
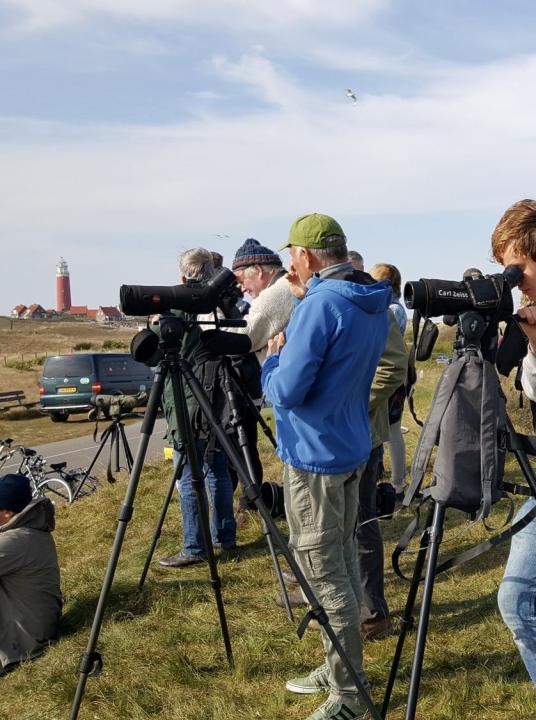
column 163, row 652
column 164, row 656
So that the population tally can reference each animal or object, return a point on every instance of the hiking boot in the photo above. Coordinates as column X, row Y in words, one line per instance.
column 295, row 599
column 375, row 629
column 333, row 710
column 180, row 560
column 317, row 681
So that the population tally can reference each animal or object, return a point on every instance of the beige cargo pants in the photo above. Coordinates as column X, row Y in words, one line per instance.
column 322, row 517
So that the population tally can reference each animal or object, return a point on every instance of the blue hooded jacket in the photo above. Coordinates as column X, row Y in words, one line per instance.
column 320, row 381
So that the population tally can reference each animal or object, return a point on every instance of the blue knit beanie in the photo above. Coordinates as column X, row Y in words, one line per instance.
column 253, row 253
column 15, row 492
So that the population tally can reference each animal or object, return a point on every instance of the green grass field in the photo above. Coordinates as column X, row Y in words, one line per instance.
column 163, row 652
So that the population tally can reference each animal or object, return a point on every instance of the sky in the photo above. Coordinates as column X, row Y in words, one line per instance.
column 131, row 131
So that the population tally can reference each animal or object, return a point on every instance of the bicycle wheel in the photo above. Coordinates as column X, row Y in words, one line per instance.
column 56, row 490
column 82, row 486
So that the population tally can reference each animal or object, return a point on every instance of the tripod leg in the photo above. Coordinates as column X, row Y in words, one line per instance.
column 265, row 529
column 198, row 485
column 253, row 493
column 126, row 446
column 156, row 534
column 115, row 444
column 254, row 409
column 407, row 618
column 91, row 657
column 246, row 452
column 436, row 532
column 104, row 439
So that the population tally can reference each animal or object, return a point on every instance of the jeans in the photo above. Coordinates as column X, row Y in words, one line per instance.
column 370, row 545
column 220, row 487
column 517, row 593
column 322, row 516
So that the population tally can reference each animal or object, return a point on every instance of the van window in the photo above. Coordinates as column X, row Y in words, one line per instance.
column 73, row 365
column 121, row 367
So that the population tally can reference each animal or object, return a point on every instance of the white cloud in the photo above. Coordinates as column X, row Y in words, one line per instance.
column 467, row 144
column 37, row 15
column 206, row 95
column 406, row 63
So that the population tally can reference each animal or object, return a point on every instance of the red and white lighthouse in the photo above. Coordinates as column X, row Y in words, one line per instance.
column 63, row 287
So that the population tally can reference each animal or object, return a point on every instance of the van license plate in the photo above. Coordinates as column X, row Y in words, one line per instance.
column 67, row 390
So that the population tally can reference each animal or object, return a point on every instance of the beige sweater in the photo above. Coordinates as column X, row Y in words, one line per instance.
column 268, row 315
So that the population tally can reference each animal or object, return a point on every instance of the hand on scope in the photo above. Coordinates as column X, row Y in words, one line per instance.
column 296, row 288
column 528, row 325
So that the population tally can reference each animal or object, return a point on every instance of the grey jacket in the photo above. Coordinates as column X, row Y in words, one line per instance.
column 30, row 597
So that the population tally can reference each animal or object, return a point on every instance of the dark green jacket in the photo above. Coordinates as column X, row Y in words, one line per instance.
column 190, row 351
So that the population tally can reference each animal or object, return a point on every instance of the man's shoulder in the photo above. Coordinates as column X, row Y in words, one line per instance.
column 278, row 292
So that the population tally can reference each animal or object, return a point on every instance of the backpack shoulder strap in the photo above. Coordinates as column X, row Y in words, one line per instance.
column 411, row 377
column 489, row 418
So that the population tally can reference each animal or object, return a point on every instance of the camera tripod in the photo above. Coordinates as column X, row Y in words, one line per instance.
column 116, row 436
column 235, row 390
column 430, row 543
column 172, row 330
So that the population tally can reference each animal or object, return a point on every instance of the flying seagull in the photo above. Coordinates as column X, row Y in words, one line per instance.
column 351, row 94
column 221, row 236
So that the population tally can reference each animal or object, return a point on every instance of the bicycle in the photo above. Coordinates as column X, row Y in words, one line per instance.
column 60, row 490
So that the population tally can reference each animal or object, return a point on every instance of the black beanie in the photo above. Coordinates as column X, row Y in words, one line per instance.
column 15, row 492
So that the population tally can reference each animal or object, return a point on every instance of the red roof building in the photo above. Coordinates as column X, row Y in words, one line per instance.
column 18, row 311
column 78, row 310
column 107, row 314
column 35, row 311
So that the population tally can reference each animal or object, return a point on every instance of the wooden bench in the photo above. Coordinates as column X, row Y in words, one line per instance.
column 14, row 398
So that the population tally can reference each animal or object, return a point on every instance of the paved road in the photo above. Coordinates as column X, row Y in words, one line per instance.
column 79, row 452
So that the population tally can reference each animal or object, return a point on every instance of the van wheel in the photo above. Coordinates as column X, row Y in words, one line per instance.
column 59, row 417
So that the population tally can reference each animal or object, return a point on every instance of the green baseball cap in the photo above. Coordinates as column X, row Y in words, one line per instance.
column 316, row 232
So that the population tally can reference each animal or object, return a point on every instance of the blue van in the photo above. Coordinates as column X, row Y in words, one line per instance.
column 70, row 383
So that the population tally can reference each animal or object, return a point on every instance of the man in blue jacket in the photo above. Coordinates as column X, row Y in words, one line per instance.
column 319, row 378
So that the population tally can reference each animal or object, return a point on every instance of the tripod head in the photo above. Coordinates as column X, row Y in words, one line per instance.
column 475, row 332
column 149, row 347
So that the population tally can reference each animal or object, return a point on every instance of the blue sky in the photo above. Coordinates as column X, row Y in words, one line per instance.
column 133, row 130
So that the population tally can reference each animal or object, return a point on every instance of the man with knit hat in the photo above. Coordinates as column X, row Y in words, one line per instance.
column 319, row 378
column 261, row 275
column 30, row 597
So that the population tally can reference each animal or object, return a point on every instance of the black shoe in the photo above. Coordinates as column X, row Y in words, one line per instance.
column 181, row 560
column 230, row 547
column 295, row 599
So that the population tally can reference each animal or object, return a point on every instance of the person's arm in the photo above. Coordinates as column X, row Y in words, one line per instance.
column 287, row 377
column 10, row 555
column 392, row 366
column 528, row 375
